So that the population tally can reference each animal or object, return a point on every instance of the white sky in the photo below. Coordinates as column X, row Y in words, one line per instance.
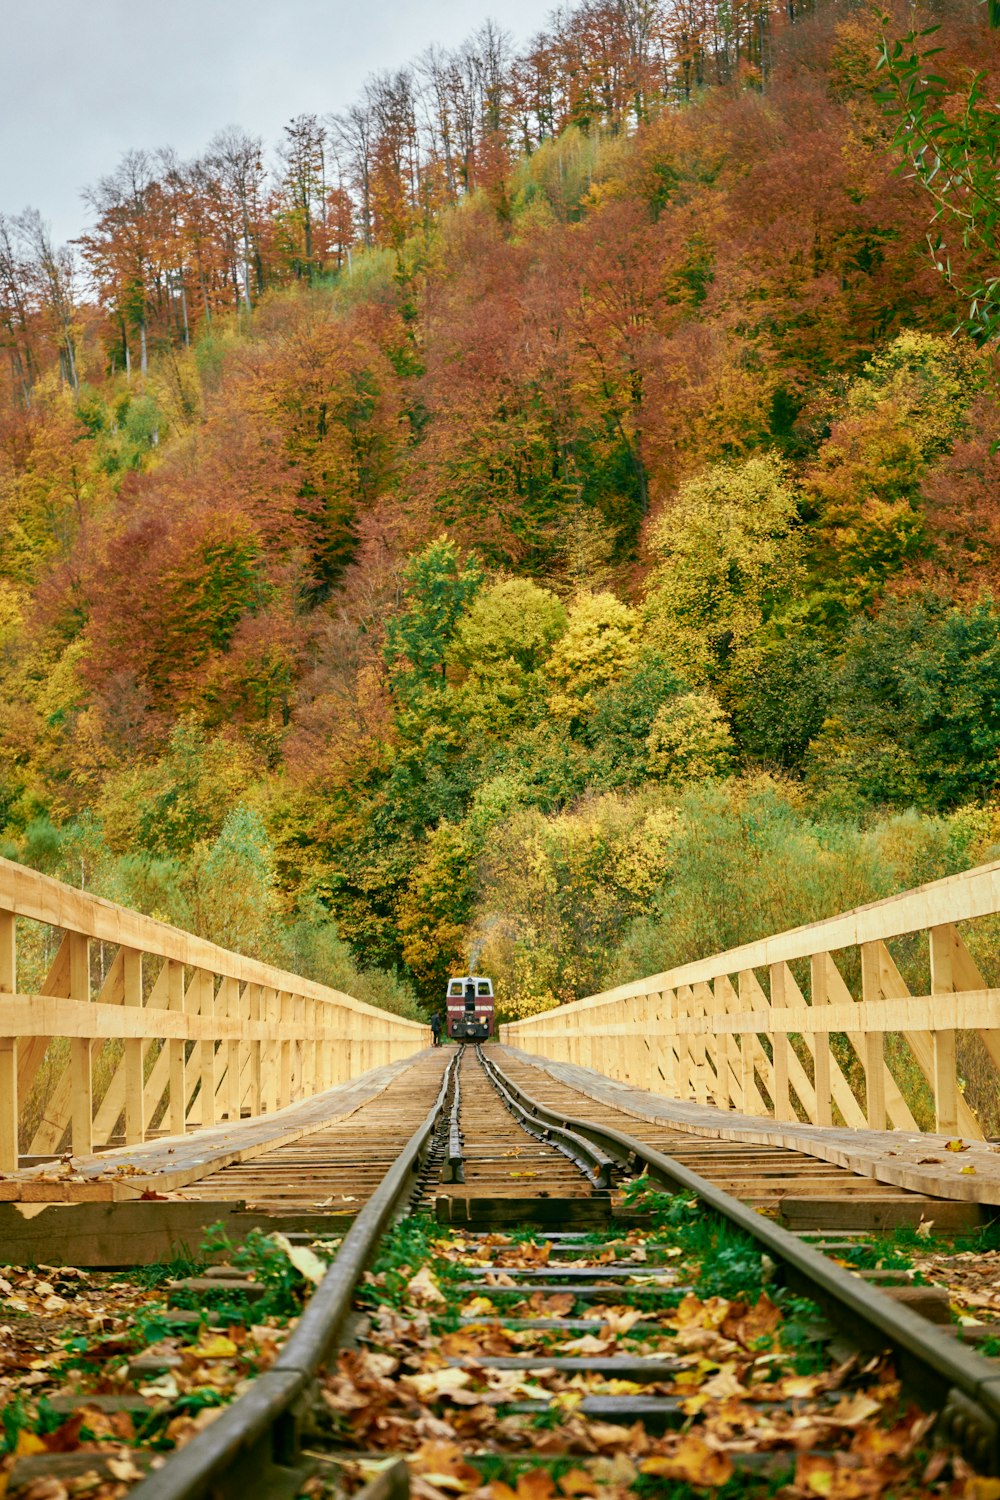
column 81, row 81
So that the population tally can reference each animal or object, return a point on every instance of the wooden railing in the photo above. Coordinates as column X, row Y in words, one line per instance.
column 137, row 1024
column 817, row 1024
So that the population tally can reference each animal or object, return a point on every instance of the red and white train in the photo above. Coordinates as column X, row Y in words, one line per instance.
column 470, row 1008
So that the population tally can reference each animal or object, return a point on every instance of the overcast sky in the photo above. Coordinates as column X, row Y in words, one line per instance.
column 81, row 81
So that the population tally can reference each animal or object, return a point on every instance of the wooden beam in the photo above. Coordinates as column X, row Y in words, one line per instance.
column 134, row 1058
column 8, row 1048
column 81, row 1052
column 41, row 898
column 176, row 1052
column 819, row 994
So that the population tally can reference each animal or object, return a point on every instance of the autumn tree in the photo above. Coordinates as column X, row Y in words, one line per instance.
column 728, row 552
column 123, row 247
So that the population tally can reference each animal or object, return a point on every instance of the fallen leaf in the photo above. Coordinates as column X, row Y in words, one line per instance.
column 216, row 1347
column 555, row 1305
column 305, row 1261
column 692, row 1462
column 423, row 1287
column 577, row 1482
column 983, row 1489
column 28, row 1443
column 586, row 1345
column 620, row 1320
column 443, row 1465
column 123, row 1469
column 438, row 1382
column 459, row 1343
column 956, row 1146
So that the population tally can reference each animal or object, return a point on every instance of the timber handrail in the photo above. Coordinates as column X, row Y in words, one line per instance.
column 184, row 1032
column 774, row 1027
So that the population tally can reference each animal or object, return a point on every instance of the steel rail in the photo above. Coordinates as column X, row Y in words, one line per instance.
column 957, row 1382
column 253, row 1448
column 588, row 1155
column 456, row 1152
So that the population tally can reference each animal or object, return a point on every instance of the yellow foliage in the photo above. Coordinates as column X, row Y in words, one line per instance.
column 727, row 546
column 690, row 739
column 598, row 646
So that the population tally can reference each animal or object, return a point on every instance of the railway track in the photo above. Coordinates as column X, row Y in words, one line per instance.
column 701, row 1344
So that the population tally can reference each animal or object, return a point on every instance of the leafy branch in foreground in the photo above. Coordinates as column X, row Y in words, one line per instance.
column 951, row 144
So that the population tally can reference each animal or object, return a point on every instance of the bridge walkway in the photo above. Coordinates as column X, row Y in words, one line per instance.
column 921, row 1174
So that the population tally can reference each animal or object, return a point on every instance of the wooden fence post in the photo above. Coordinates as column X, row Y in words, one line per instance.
column 780, row 1045
column 8, row 1047
column 945, row 1060
column 176, row 1051
column 819, row 994
column 81, row 1052
column 873, row 1042
column 134, row 1052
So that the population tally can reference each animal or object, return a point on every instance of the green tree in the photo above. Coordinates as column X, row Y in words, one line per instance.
column 862, row 497
column 556, row 894
column 168, row 805
column 234, row 900
column 950, row 141
column 621, row 718
column 916, row 715
column 777, row 696
column 747, row 858
column 438, row 587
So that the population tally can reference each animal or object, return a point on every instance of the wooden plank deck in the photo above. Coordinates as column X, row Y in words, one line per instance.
column 175, row 1162
column 919, row 1162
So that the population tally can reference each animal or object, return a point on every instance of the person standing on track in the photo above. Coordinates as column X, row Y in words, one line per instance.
column 436, row 1027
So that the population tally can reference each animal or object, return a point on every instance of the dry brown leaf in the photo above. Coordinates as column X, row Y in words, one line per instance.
column 443, row 1465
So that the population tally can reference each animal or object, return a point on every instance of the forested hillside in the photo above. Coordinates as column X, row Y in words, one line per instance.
column 544, row 516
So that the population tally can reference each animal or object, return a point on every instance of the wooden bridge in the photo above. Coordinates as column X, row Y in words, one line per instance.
column 179, row 1034
column 119, row 1035
column 153, row 1085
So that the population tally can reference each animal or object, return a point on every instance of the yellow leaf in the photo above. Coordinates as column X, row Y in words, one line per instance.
column 29, row 1443
column 956, row 1146
column 984, row 1489
column 577, row 1482
column 964, row 1170
column 692, row 1461
column 478, row 1307
column 566, row 1400
column 438, row 1382
column 217, row 1347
